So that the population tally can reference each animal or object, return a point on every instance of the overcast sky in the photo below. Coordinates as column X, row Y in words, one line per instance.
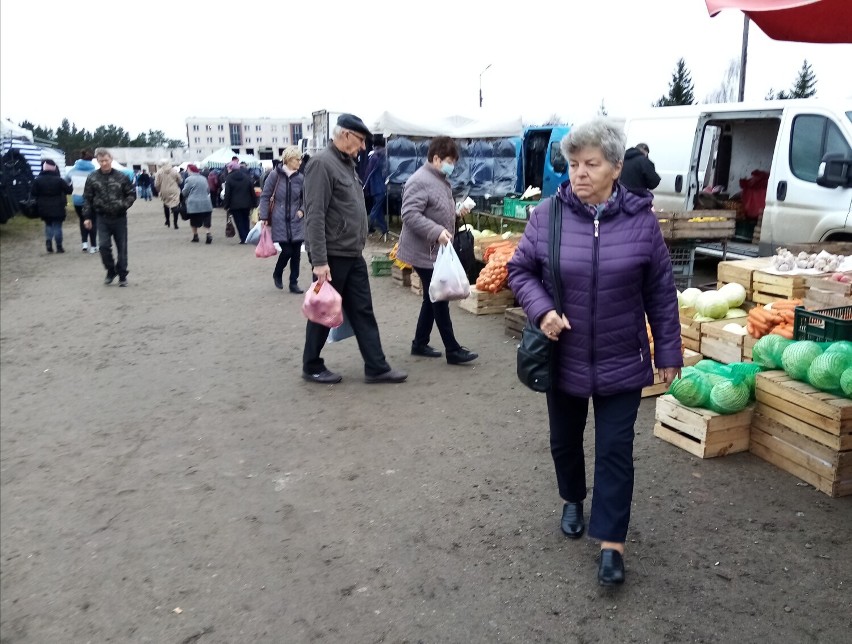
column 98, row 62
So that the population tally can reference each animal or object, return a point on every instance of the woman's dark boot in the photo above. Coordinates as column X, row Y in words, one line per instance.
column 176, row 216
column 49, row 245
column 59, row 248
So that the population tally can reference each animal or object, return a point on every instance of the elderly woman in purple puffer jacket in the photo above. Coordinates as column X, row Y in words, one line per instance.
column 615, row 269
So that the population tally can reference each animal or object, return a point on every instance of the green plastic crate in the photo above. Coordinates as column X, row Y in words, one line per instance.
column 826, row 325
column 517, row 208
column 381, row 265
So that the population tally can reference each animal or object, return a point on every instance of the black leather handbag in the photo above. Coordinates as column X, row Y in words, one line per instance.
column 536, row 353
column 463, row 245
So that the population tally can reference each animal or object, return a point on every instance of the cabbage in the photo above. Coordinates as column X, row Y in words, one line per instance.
column 768, row 350
column 691, row 390
column 846, row 382
column 734, row 294
column 797, row 358
column 736, row 313
column 712, row 304
column 841, row 346
column 688, row 297
column 728, row 397
column 826, row 369
column 733, row 327
column 703, row 318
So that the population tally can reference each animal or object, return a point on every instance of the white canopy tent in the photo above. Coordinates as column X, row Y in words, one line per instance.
column 9, row 130
column 222, row 157
column 456, row 126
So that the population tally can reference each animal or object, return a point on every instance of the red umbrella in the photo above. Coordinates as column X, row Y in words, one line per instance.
column 817, row 21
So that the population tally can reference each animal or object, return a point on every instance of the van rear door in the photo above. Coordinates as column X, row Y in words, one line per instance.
column 797, row 209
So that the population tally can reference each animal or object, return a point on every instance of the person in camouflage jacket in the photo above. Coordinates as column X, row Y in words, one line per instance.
column 108, row 195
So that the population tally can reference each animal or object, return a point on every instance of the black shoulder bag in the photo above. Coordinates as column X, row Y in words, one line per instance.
column 537, row 353
column 463, row 245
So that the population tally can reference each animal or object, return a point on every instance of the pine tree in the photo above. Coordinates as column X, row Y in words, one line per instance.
column 803, row 87
column 681, row 90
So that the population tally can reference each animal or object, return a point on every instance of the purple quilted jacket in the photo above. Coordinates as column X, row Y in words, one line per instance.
column 613, row 274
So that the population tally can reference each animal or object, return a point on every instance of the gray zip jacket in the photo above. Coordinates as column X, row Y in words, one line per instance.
column 335, row 213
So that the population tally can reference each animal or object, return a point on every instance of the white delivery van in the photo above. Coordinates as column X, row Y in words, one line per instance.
column 804, row 145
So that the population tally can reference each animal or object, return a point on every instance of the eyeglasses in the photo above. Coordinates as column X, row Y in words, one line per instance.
column 360, row 138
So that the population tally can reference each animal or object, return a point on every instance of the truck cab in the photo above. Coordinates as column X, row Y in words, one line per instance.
column 542, row 164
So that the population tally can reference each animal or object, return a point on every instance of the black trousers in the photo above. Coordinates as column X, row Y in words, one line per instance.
column 349, row 276
column 175, row 211
column 241, row 221
column 433, row 313
column 113, row 228
column 615, row 417
column 87, row 235
column 290, row 252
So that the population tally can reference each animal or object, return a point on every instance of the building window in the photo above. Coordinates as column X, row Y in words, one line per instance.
column 195, row 128
column 221, row 127
column 197, row 140
column 274, row 128
column 286, row 140
column 257, row 128
column 275, row 139
column 236, row 134
column 296, row 130
column 247, row 128
column 248, row 139
column 221, row 139
column 260, row 139
column 208, row 127
column 250, row 151
column 198, row 152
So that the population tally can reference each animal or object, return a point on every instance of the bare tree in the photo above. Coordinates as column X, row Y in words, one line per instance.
column 602, row 109
column 728, row 89
column 553, row 119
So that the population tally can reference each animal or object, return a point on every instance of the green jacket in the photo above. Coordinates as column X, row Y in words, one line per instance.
column 107, row 195
column 335, row 213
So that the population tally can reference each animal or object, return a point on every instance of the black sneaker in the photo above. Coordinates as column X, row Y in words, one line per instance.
column 110, row 278
column 460, row 356
column 122, row 281
column 425, row 350
column 209, row 239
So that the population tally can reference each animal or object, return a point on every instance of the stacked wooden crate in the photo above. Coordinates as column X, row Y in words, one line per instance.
column 697, row 224
column 690, row 330
column 416, row 284
column 826, row 293
column 401, row 276
column 804, row 431
column 514, row 321
column 721, row 345
column 768, row 287
column 702, row 432
column 487, row 303
column 740, row 272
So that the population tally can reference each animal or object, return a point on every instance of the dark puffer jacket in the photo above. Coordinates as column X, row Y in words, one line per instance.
column 287, row 226
column 609, row 283
column 239, row 192
column 51, row 194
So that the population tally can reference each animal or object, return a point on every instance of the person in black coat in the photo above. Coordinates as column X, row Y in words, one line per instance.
column 639, row 173
column 240, row 198
column 50, row 192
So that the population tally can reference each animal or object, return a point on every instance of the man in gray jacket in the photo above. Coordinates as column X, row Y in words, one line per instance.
column 335, row 235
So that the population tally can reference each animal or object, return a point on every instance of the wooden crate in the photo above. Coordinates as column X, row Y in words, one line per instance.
column 702, row 432
column 485, row 303
column 690, row 330
column 482, row 243
column 660, row 387
column 804, row 431
column 681, row 225
column 720, row 345
column 768, row 287
column 748, row 345
column 514, row 321
column 824, row 293
column 416, row 284
column 740, row 272
column 401, row 276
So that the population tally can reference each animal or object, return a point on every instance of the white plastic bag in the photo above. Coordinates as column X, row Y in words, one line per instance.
column 449, row 281
column 254, row 234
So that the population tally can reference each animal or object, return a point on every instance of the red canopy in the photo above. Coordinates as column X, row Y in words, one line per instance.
column 817, row 21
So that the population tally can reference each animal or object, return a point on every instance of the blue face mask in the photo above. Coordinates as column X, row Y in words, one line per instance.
column 447, row 168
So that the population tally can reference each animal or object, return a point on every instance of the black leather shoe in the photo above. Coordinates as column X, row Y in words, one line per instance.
column 611, row 568
column 425, row 350
column 393, row 375
column 110, row 278
column 279, row 283
column 460, row 356
column 573, row 524
column 294, row 288
column 324, row 377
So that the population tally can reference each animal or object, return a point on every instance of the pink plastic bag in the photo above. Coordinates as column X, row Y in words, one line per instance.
column 265, row 247
column 323, row 305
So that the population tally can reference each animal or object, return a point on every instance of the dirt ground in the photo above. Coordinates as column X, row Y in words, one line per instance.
column 168, row 477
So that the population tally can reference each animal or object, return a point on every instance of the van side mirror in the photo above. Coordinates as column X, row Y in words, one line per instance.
column 557, row 159
column 835, row 171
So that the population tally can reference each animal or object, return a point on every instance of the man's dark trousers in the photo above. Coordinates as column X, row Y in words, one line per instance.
column 349, row 276
column 108, row 228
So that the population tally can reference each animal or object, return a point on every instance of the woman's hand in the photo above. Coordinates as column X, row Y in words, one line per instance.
column 463, row 211
column 552, row 325
column 445, row 237
column 669, row 374
column 265, row 222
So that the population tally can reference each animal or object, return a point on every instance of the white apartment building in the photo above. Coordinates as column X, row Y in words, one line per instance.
column 263, row 137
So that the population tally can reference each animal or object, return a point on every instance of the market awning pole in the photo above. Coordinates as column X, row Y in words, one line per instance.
column 743, row 58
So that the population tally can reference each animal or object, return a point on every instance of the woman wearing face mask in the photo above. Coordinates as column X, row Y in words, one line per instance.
column 428, row 216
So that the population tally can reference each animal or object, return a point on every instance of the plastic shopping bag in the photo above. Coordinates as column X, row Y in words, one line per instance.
column 265, row 247
column 323, row 305
column 449, row 280
column 341, row 332
column 254, row 234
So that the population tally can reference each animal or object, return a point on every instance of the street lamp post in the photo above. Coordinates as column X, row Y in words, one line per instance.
column 480, row 83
